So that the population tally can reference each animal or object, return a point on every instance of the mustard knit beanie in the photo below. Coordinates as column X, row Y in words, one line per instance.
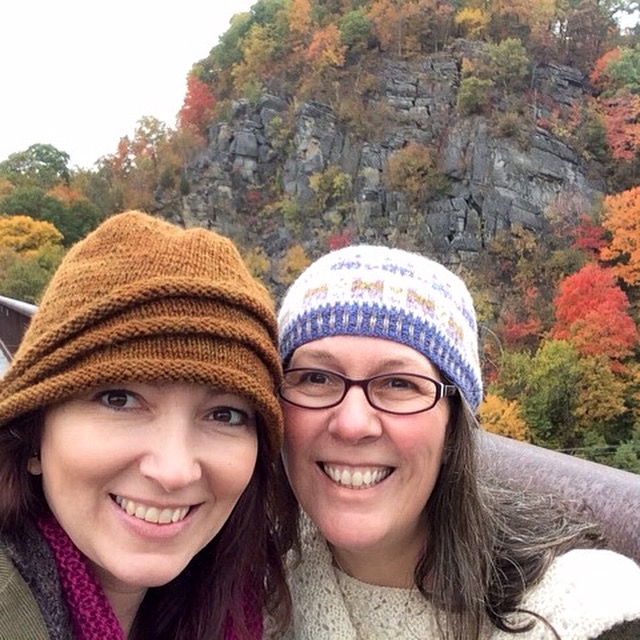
column 140, row 299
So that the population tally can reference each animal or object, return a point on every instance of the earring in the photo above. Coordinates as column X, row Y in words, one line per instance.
column 34, row 466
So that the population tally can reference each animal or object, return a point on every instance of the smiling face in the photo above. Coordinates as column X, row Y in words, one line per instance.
column 363, row 475
column 141, row 477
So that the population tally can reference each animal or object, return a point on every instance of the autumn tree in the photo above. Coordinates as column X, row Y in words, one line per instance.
column 134, row 171
column 592, row 313
column 258, row 49
column 73, row 219
column 30, row 252
column 568, row 401
column 414, row 170
column 325, row 50
column 583, row 29
column 473, row 22
column 622, row 220
column 292, row 265
column 198, row 107
column 25, row 235
column 503, row 417
column 620, row 114
column 300, row 21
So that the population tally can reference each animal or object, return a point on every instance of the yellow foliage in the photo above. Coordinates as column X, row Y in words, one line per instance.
column 293, row 264
column 257, row 261
column 26, row 235
column 503, row 417
column 414, row 170
column 468, row 67
column 473, row 22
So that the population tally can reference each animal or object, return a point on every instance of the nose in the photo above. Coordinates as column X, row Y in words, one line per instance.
column 172, row 460
column 354, row 419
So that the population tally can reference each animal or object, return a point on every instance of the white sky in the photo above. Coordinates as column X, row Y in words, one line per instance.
column 79, row 74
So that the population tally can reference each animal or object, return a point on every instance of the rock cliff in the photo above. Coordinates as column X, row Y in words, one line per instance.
column 268, row 153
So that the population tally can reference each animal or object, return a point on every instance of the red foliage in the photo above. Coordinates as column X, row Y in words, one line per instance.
column 591, row 313
column 339, row 240
column 589, row 236
column 519, row 331
column 622, row 122
column 253, row 199
column 198, row 107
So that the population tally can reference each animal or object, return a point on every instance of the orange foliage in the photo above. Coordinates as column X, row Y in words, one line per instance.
column 325, row 49
column 198, row 107
column 599, row 76
column 65, row 194
column 621, row 115
column 592, row 314
column 299, row 17
column 622, row 219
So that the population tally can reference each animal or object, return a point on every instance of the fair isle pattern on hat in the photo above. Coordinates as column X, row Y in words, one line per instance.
column 392, row 294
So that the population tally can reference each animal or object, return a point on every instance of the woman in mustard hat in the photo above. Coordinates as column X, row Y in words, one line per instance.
column 139, row 444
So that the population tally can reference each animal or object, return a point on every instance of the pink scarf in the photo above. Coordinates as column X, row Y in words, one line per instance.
column 91, row 614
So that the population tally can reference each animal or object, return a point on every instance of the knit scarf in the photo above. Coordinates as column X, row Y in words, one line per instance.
column 91, row 614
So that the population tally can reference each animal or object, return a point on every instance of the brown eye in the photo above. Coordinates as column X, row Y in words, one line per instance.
column 229, row 415
column 117, row 399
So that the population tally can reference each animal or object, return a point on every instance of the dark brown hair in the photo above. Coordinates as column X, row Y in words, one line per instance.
column 233, row 581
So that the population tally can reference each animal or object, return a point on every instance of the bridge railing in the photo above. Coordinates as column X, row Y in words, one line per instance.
column 612, row 495
column 14, row 319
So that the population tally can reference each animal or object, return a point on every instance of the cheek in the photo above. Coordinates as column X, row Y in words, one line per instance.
column 298, row 430
column 240, row 463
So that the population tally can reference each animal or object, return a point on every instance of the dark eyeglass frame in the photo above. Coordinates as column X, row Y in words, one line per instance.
column 443, row 390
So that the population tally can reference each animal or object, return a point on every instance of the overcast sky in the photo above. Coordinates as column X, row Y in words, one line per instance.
column 79, row 74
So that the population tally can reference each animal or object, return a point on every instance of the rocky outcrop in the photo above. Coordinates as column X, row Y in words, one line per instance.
column 495, row 182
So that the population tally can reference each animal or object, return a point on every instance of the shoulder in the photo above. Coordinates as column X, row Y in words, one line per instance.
column 20, row 616
column 586, row 592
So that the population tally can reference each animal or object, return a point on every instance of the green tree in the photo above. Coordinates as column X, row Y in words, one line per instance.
column 74, row 221
column 355, row 31
column 24, row 277
column 41, row 165
column 508, row 63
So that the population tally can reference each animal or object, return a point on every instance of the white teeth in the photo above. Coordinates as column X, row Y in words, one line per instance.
column 357, row 479
column 151, row 514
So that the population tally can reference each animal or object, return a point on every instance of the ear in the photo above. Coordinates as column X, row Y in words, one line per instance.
column 34, row 466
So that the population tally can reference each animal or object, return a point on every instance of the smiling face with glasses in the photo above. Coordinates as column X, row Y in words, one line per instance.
column 397, row 393
column 365, row 425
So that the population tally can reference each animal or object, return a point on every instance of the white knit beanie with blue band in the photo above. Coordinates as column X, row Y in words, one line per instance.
column 392, row 294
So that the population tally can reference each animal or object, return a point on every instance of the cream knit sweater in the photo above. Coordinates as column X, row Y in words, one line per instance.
column 584, row 593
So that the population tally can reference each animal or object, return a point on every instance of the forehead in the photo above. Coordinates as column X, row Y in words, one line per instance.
column 360, row 355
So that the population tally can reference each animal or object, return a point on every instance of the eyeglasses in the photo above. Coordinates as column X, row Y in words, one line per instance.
column 398, row 393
